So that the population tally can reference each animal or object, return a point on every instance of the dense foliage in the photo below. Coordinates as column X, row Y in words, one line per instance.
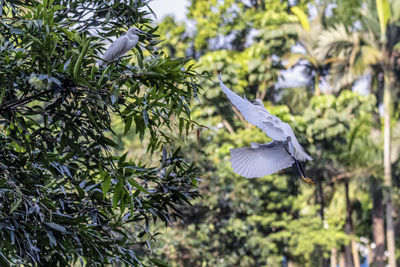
column 65, row 195
column 95, row 162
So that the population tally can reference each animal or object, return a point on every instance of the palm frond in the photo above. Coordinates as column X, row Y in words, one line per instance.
column 333, row 40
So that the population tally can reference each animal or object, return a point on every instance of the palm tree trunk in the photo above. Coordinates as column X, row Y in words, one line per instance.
column 370, row 258
column 320, row 201
column 348, row 227
column 387, row 165
column 334, row 255
column 378, row 225
column 356, row 256
column 342, row 260
column 349, row 221
column 317, row 90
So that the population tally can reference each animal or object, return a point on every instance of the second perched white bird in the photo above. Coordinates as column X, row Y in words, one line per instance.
column 265, row 159
column 120, row 46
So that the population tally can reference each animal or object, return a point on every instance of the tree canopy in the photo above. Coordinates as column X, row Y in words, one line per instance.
column 96, row 163
column 66, row 196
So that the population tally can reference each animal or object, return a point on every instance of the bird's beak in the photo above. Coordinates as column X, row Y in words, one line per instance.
column 144, row 33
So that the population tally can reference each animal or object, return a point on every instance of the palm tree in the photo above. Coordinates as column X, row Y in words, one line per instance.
column 315, row 66
column 351, row 54
column 370, row 49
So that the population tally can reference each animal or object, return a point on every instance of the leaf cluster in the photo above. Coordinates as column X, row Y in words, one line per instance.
column 65, row 196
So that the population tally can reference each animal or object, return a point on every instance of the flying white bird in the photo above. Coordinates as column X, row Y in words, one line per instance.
column 121, row 45
column 265, row 159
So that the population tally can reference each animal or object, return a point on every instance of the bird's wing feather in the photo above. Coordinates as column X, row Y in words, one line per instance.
column 131, row 43
column 270, row 127
column 115, row 49
column 260, row 118
column 298, row 151
column 260, row 160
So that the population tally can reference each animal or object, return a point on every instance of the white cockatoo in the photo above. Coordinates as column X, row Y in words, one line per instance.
column 265, row 159
column 121, row 45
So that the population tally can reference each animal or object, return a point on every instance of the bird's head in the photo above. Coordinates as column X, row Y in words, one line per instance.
column 136, row 31
column 257, row 102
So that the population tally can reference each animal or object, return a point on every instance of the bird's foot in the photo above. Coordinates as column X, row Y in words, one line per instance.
column 308, row 180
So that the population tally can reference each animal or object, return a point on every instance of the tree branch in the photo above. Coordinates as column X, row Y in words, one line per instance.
column 228, row 126
column 23, row 101
column 347, row 175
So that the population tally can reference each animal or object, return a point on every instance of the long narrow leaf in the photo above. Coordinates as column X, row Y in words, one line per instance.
column 383, row 9
column 302, row 17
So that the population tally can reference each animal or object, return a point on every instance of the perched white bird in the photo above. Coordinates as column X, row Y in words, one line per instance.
column 265, row 159
column 120, row 46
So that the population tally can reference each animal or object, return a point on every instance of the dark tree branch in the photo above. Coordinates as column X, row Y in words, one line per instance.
column 17, row 103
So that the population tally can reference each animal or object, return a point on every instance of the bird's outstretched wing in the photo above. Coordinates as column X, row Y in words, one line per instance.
column 260, row 159
column 115, row 50
column 268, row 123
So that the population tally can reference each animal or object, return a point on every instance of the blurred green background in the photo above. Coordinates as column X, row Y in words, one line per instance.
column 331, row 70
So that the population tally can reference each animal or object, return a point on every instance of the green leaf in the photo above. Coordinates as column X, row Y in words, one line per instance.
column 66, row 64
column 164, row 154
column 90, row 116
column 78, row 63
column 117, row 194
column 53, row 240
column 2, row 94
column 15, row 205
column 383, row 9
column 302, row 17
column 122, row 159
column 100, row 82
column 1, row 10
column 138, row 186
column 57, row 227
column 140, row 60
column 18, row 202
column 169, row 170
column 106, row 183
column 145, row 117
column 159, row 263
column 109, row 142
column 128, row 124
column 181, row 124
